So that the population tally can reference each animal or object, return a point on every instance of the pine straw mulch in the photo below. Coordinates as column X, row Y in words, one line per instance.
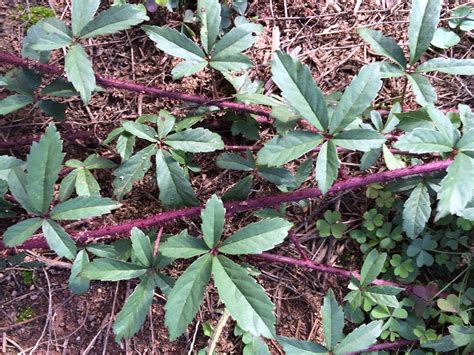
column 321, row 34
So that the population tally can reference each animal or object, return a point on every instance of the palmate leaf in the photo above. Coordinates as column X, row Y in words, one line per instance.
column 141, row 247
column 165, row 123
column 456, row 188
column 382, row 45
column 234, row 161
column 416, row 211
column 213, row 218
column 425, row 93
column 187, row 295
column 77, row 283
column 125, row 144
column 183, row 246
column 7, row 163
column 360, row 338
column 17, row 185
column 79, row 71
column 357, row 97
column 20, row 232
column 443, row 124
column 133, row 313
column 132, row 170
column 82, row 12
column 327, row 166
column 86, row 184
column 424, row 17
column 281, row 150
column 114, row 19
column 448, row 65
column 243, row 297
column 13, row 103
column 43, row 164
column 256, row 237
column 301, row 347
column 175, row 188
column 59, row 240
column 187, row 68
column 174, row 43
column 209, row 12
column 67, row 185
column 359, row 139
column 234, row 62
column 333, row 320
column 240, row 190
column 299, row 89
column 277, row 176
column 140, row 130
column 82, row 207
column 195, row 140
column 94, row 161
column 422, row 140
column 372, row 267
column 112, row 270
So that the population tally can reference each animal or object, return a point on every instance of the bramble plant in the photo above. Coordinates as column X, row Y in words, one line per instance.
column 223, row 54
column 34, row 191
column 51, row 33
column 175, row 188
column 242, row 296
column 424, row 17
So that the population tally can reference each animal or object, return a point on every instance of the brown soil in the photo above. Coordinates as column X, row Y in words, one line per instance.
column 322, row 34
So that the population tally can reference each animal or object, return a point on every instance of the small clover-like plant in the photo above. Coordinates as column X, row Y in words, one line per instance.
column 174, row 187
column 337, row 128
column 223, row 54
column 461, row 20
column 365, row 296
column 52, row 33
column 330, row 225
column 403, row 267
column 145, row 264
column 335, row 342
column 372, row 219
column 245, row 300
column 444, row 138
column 279, row 176
column 424, row 17
column 25, row 83
column 459, row 337
column 420, row 249
column 34, row 191
column 390, row 316
column 81, row 179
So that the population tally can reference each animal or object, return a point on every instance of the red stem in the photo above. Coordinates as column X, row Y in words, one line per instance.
column 248, row 205
column 389, row 345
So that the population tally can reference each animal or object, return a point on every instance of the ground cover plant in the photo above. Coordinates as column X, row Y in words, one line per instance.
column 381, row 185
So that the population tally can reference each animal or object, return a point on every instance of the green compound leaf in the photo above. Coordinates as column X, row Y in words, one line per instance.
column 140, row 130
column 20, row 232
column 359, row 139
column 175, row 188
column 256, row 237
column 234, row 161
column 281, row 150
column 77, row 283
column 174, row 43
column 357, row 97
column 51, row 34
column 236, row 41
column 187, row 295
column 213, row 218
column 416, row 211
column 456, row 188
column 133, row 313
column 59, row 240
column 448, row 65
column 209, row 12
column 43, row 165
column 183, row 246
column 423, row 140
column 240, row 190
column 333, row 320
column 13, row 103
column 132, row 170
column 299, row 89
column 17, row 184
column 112, row 270
column 115, row 19
column 141, row 246
column 425, row 93
column 81, row 13
column 79, row 72
column 82, row 207
column 327, row 166
column 195, row 140
column 243, row 297
column 382, row 45
column 86, row 184
column 372, row 267
column 424, row 17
